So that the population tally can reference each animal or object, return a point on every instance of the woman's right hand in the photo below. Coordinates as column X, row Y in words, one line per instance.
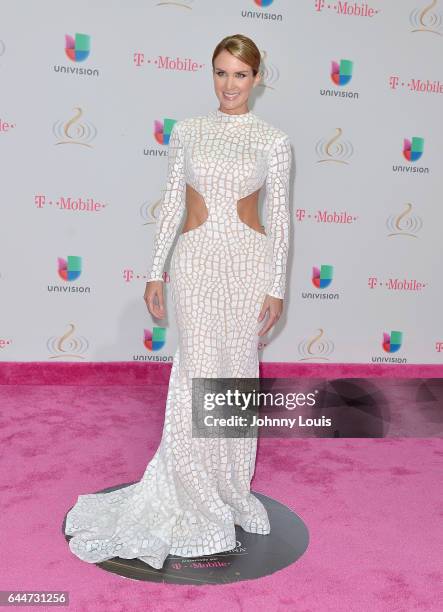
column 155, row 289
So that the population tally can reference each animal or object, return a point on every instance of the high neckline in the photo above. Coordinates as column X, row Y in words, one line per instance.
column 221, row 116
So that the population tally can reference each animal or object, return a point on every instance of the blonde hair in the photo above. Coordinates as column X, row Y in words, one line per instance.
column 241, row 47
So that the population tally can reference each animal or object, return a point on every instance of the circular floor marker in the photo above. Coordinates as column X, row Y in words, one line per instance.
column 254, row 555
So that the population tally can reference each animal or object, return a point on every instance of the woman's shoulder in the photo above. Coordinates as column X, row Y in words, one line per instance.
column 272, row 132
column 189, row 122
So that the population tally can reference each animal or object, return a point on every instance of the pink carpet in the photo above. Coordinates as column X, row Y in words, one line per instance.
column 372, row 507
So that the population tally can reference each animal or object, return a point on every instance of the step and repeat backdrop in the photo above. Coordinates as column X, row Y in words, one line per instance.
column 89, row 91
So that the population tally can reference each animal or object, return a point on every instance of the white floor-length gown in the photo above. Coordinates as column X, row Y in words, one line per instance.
column 194, row 490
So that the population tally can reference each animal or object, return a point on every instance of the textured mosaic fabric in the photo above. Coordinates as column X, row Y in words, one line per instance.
column 227, row 157
column 194, row 490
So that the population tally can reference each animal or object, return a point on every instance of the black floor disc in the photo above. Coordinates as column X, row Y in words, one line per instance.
column 254, row 555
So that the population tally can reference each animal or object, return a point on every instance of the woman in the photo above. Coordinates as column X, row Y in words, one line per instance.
column 226, row 275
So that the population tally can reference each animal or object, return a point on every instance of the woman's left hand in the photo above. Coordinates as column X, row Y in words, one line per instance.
column 274, row 307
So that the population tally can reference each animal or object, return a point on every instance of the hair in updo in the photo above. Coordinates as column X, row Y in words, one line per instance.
column 241, row 47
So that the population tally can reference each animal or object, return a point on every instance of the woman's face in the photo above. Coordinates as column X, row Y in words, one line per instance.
column 232, row 76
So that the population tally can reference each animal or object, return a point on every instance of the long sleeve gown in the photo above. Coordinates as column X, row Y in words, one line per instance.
column 194, row 490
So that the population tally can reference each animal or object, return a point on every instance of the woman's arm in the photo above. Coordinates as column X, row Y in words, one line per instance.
column 277, row 212
column 171, row 207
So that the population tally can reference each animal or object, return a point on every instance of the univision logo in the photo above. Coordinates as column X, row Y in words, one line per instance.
column 392, row 343
column 413, row 148
column 77, row 48
column 340, row 75
column 69, row 269
column 156, row 339
column 412, row 152
column 262, row 15
column 322, row 277
column 153, row 340
column 162, row 134
column 162, row 130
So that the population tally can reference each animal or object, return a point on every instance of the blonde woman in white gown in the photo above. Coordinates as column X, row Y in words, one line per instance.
column 227, row 281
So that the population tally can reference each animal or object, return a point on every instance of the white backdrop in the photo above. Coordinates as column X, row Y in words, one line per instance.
column 82, row 173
